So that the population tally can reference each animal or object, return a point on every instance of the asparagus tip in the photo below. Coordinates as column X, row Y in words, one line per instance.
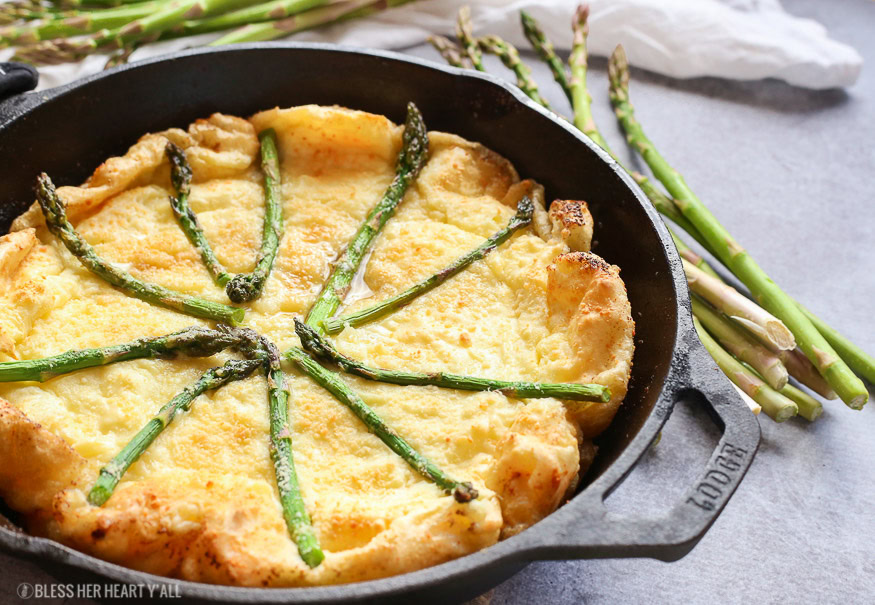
column 241, row 289
column 465, row 492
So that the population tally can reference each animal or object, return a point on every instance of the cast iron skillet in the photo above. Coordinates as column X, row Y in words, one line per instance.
column 68, row 131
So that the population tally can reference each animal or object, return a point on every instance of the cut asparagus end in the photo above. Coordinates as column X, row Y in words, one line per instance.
column 753, row 405
column 809, row 407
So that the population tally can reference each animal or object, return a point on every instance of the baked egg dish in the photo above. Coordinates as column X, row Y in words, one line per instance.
column 202, row 503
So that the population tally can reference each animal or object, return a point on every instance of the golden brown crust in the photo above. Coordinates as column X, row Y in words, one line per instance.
column 588, row 298
column 37, row 464
column 222, row 525
column 572, row 223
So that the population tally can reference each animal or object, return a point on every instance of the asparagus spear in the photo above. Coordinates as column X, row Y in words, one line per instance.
column 56, row 221
column 753, row 405
column 580, row 98
column 511, row 59
column 448, row 49
column 767, row 363
column 545, row 50
column 802, row 370
column 523, row 217
column 411, row 159
column 765, row 326
column 52, row 52
column 690, row 256
column 272, row 30
column 465, row 33
column 778, row 407
column 860, row 361
column 331, row 381
column 321, row 348
column 86, row 22
column 193, row 342
column 281, row 453
column 247, row 287
column 180, row 176
column 836, row 372
column 212, row 379
column 809, row 407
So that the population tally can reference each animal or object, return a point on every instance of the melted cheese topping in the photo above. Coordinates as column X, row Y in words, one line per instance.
column 201, row 503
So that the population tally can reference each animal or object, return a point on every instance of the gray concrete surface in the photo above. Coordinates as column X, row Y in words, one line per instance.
column 790, row 173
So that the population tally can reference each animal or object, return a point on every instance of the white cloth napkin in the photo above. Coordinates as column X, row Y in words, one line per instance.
column 738, row 39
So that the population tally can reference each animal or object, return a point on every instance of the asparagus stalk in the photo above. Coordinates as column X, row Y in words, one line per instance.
column 802, row 370
column 836, row 372
column 294, row 510
column 272, row 30
column 523, row 216
column 511, row 59
column 247, row 287
column 809, row 407
column 690, row 256
column 331, row 382
column 545, row 50
column 860, row 361
column 767, row 363
column 753, row 405
column 411, row 159
column 212, row 379
column 321, row 348
column 465, row 33
column 580, row 98
column 52, row 52
column 56, row 221
column 762, row 324
column 180, row 176
column 448, row 49
column 86, row 22
column 795, row 361
column 778, row 407
column 265, row 11
column 193, row 342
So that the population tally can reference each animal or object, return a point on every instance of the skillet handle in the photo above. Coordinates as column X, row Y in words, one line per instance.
column 588, row 530
column 16, row 78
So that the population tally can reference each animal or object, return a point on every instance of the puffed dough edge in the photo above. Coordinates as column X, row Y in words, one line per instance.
column 218, row 147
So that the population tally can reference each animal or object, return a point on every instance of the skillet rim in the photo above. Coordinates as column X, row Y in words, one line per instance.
column 519, row 549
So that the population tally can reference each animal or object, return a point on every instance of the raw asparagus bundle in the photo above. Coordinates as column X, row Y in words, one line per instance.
column 212, row 379
column 168, row 15
column 52, row 35
column 247, row 287
column 523, row 217
column 192, row 342
column 56, row 221
column 830, row 365
column 411, row 159
column 272, row 30
column 778, row 407
column 322, row 349
column 331, row 382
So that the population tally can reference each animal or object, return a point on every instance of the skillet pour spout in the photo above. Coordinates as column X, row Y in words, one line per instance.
column 68, row 130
